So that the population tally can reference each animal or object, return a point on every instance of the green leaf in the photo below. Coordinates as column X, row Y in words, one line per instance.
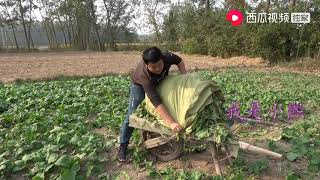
column 56, row 128
column 81, row 156
column 89, row 171
column 315, row 160
column 75, row 167
column 54, row 148
column 105, row 175
column 258, row 167
column 63, row 161
column 2, row 162
column 48, row 168
column 52, row 158
column 26, row 157
column 75, row 140
column 2, row 167
column 91, row 138
column 68, row 174
column 291, row 156
column 109, row 144
column 19, row 151
column 18, row 168
column 292, row 176
column 5, row 154
column 39, row 176
column 62, row 137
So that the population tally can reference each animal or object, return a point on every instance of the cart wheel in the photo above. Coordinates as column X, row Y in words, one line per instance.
column 165, row 152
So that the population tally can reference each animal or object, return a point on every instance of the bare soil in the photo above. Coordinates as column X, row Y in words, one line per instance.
column 47, row 65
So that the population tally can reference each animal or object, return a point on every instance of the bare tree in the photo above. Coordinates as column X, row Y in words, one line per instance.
column 65, row 13
column 79, row 21
column 31, row 7
column 62, row 27
column 118, row 14
column 54, row 19
column 153, row 9
column 95, row 26
column 46, row 19
column 10, row 18
column 22, row 13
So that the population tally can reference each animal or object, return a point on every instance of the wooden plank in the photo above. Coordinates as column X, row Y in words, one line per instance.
column 214, row 157
column 151, row 143
column 228, row 154
column 143, row 124
column 234, row 149
column 252, row 148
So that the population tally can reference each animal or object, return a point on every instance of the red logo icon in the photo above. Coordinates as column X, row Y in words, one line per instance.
column 235, row 17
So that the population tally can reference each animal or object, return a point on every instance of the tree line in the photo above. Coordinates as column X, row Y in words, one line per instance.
column 202, row 28
column 191, row 26
column 82, row 25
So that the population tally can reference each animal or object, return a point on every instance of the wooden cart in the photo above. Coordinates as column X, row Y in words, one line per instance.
column 162, row 143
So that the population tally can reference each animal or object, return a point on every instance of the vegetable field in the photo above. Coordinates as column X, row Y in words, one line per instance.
column 68, row 128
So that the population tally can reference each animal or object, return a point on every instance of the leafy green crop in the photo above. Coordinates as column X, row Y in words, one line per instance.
column 211, row 121
column 46, row 128
column 4, row 106
column 258, row 166
column 172, row 174
column 305, row 138
column 246, row 86
column 46, row 132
